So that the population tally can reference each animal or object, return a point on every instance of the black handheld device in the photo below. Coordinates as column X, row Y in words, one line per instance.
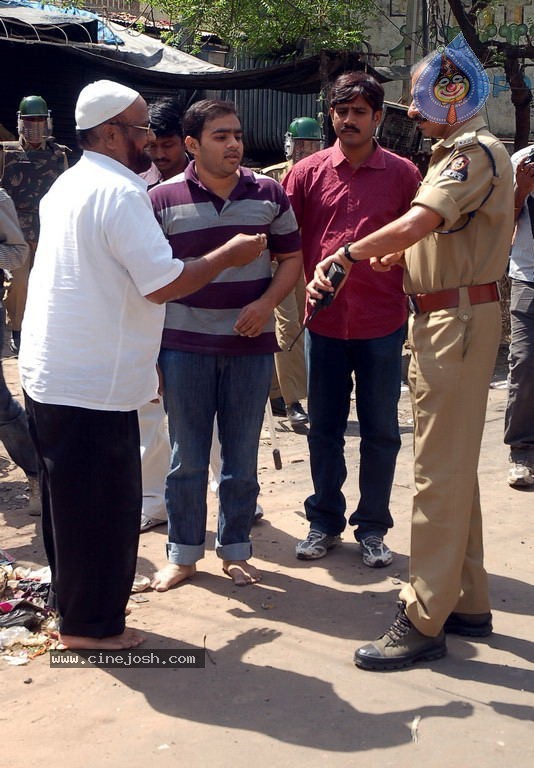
column 335, row 274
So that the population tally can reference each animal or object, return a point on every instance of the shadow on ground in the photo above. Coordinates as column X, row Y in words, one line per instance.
column 303, row 710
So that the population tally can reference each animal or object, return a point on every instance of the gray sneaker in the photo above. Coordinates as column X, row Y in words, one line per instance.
column 521, row 474
column 316, row 545
column 375, row 553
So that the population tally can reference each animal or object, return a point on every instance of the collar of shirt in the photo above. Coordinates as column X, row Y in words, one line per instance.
column 475, row 124
column 375, row 160
column 104, row 161
column 246, row 179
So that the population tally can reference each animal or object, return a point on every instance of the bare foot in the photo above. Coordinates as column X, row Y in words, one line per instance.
column 241, row 572
column 171, row 575
column 130, row 638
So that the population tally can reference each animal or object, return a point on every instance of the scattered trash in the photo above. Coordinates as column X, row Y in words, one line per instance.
column 4, row 577
column 26, row 622
column 414, row 728
column 267, row 605
column 10, row 636
column 20, row 613
column 139, row 599
column 17, row 661
column 6, row 558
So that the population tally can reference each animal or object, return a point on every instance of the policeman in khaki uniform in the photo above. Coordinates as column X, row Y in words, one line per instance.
column 455, row 240
column 304, row 136
column 28, row 168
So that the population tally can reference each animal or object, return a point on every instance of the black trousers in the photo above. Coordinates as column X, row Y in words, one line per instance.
column 90, row 475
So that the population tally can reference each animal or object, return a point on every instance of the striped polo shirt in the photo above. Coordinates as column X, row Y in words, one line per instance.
column 196, row 221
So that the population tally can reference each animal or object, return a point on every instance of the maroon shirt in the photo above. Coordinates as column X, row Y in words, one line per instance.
column 335, row 204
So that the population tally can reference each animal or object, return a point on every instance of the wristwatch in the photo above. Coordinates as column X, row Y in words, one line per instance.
column 347, row 255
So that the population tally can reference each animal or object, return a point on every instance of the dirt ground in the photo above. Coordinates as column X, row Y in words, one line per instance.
column 279, row 687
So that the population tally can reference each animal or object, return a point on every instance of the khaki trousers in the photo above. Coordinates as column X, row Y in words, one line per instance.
column 289, row 378
column 449, row 376
column 17, row 291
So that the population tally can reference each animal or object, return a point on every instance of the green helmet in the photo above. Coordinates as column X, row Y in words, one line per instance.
column 33, row 106
column 301, row 128
column 33, row 130
column 305, row 128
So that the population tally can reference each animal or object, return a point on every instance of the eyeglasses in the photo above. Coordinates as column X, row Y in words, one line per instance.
column 146, row 128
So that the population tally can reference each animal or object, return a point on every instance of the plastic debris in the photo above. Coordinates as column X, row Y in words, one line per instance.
column 17, row 661
column 6, row 558
column 139, row 599
column 9, row 636
column 414, row 728
column 24, row 615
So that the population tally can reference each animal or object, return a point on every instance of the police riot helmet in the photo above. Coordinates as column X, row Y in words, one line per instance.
column 302, row 128
column 34, row 120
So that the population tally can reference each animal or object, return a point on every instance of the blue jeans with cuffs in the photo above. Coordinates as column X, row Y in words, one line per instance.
column 199, row 387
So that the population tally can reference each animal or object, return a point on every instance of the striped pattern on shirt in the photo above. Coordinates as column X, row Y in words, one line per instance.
column 196, row 221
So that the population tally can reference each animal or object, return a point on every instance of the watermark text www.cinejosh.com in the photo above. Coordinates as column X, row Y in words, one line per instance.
column 179, row 658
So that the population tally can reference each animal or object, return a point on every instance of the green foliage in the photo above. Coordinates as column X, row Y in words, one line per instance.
column 269, row 26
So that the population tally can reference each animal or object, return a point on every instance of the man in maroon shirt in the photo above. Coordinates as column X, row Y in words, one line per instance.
column 339, row 195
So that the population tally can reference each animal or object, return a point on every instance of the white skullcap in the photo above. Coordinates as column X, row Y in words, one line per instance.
column 100, row 101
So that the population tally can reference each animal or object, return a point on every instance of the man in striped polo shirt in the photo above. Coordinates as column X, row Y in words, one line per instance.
column 218, row 343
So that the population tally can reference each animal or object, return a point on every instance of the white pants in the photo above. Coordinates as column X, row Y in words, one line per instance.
column 155, row 459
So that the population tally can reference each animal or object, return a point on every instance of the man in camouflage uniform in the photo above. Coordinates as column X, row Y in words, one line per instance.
column 28, row 168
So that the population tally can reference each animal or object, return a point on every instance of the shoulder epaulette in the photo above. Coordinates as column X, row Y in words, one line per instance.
column 466, row 140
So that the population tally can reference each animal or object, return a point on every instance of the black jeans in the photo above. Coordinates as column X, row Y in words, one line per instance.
column 90, row 475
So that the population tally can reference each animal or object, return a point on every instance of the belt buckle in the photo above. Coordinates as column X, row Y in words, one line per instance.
column 412, row 303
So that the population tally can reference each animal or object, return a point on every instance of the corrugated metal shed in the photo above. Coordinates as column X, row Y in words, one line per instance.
column 268, row 97
column 267, row 113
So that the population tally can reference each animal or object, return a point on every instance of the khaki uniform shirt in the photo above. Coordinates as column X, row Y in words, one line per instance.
column 458, row 181
column 277, row 172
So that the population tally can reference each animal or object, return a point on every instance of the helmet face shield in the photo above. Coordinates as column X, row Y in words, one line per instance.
column 306, row 129
column 34, row 129
column 34, row 122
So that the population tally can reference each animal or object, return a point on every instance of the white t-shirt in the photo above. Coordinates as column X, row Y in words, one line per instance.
column 89, row 337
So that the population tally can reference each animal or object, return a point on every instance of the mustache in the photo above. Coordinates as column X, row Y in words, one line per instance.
column 348, row 129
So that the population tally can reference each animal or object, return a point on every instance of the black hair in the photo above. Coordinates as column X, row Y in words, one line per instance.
column 203, row 111
column 87, row 138
column 349, row 85
column 166, row 117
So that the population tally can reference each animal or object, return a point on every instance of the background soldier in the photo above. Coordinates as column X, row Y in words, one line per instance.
column 28, row 168
column 304, row 137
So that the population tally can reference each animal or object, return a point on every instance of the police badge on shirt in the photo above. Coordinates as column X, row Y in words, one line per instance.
column 457, row 168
